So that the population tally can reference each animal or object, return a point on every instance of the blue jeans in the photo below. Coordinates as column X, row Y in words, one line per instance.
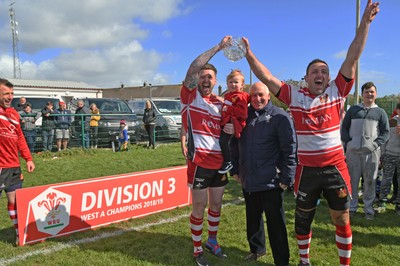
column 30, row 136
column 48, row 135
column 86, row 140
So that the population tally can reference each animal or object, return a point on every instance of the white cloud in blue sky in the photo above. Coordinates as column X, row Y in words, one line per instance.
column 104, row 42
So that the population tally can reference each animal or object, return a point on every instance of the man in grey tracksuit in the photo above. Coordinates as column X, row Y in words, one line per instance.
column 364, row 129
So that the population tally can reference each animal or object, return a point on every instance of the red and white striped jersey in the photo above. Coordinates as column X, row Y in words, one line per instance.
column 317, row 121
column 12, row 140
column 201, row 118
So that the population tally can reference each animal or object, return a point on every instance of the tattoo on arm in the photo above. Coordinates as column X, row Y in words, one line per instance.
column 192, row 75
column 193, row 83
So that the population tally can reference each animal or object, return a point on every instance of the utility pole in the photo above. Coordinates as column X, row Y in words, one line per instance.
column 358, row 61
column 14, row 31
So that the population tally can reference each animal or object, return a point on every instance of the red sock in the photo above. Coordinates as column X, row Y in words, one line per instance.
column 12, row 212
column 196, row 227
column 304, row 242
column 213, row 223
column 344, row 243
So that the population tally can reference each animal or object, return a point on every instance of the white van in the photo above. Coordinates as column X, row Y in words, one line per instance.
column 168, row 112
column 38, row 103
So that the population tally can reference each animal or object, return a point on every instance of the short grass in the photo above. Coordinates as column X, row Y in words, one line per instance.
column 135, row 242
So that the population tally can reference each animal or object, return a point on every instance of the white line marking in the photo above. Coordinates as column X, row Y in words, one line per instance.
column 73, row 243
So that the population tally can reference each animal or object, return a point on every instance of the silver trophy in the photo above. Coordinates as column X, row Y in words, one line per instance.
column 235, row 49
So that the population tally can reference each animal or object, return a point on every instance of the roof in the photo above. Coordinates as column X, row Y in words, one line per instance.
column 157, row 91
column 154, row 99
column 34, row 83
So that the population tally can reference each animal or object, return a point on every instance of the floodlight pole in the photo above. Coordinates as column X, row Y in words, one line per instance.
column 356, row 85
column 14, row 31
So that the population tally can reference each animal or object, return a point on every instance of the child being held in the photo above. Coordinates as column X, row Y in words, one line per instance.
column 123, row 138
column 234, row 110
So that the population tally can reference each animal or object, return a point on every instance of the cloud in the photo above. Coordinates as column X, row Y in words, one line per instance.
column 95, row 41
column 7, row 66
column 377, row 77
column 340, row 55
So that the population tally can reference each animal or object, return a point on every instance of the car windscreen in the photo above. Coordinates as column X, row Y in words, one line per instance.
column 111, row 106
column 137, row 106
column 171, row 107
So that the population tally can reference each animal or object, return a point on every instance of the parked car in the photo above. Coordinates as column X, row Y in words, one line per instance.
column 38, row 103
column 112, row 111
column 168, row 112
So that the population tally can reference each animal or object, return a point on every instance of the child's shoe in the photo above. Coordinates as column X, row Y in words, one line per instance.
column 226, row 166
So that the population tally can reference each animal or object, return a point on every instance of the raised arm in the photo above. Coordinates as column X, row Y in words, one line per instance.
column 348, row 68
column 261, row 71
column 192, row 77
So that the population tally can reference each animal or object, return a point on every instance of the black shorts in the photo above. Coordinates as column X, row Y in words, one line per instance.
column 10, row 179
column 200, row 178
column 326, row 180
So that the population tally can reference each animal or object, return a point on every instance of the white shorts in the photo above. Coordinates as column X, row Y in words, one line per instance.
column 62, row 133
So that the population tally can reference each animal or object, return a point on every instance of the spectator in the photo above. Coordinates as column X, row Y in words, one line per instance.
column 21, row 104
column 316, row 113
column 364, row 130
column 392, row 199
column 63, row 124
column 391, row 162
column 149, row 121
column 94, row 125
column 28, row 126
column 234, row 110
column 12, row 144
column 201, row 118
column 123, row 137
column 265, row 167
column 83, row 122
column 48, row 126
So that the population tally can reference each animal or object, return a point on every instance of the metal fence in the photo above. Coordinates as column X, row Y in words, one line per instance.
column 80, row 134
column 42, row 138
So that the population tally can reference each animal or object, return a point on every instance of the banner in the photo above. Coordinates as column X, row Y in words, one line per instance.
column 60, row 209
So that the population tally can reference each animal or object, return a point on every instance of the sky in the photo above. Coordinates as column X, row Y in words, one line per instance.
column 106, row 43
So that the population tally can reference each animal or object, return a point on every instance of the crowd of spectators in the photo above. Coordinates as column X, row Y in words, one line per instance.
column 55, row 129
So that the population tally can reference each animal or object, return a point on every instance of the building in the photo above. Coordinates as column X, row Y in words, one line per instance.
column 63, row 90
column 148, row 91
